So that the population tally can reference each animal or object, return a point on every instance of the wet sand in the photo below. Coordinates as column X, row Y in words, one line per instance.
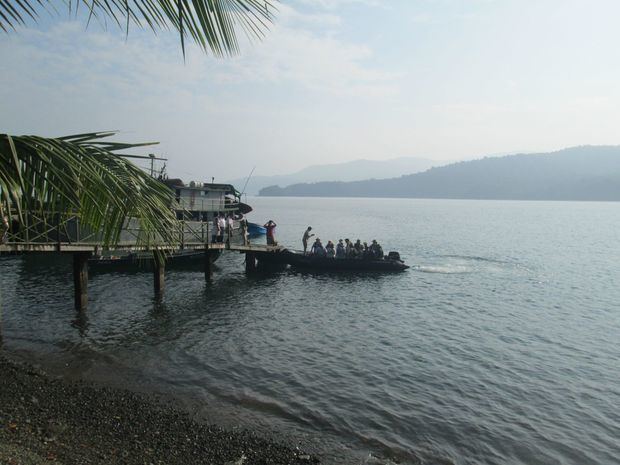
column 45, row 420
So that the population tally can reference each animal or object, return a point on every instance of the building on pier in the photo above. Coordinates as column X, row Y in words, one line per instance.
column 198, row 201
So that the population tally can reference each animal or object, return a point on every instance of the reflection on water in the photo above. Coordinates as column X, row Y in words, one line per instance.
column 499, row 345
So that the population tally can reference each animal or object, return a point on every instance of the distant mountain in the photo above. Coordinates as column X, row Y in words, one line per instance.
column 578, row 173
column 349, row 171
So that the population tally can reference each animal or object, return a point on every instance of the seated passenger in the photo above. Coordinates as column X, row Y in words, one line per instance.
column 340, row 251
column 367, row 253
column 317, row 248
column 348, row 247
column 358, row 247
column 330, row 250
column 377, row 251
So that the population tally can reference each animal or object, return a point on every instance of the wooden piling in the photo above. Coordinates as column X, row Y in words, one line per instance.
column 250, row 262
column 208, row 266
column 159, row 266
column 80, row 279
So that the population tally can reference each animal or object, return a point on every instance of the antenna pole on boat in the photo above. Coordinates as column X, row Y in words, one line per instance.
column 247, row 181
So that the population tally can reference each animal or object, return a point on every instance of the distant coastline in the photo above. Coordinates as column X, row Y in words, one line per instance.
column 587, row 173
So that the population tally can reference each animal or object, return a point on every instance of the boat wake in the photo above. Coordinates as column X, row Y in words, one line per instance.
column 443, row 269
column 476, row 258
column 462, row 264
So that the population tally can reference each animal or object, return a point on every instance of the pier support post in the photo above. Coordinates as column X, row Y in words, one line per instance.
column 80, row 279
column 250, row 262
column 159, row 266
column 208, row 266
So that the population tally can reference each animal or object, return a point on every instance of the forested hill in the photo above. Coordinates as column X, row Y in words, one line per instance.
column 578, row 173
column 355, row 170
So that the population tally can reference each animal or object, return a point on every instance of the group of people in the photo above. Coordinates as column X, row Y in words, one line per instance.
column 343, row 249
column 225, row 224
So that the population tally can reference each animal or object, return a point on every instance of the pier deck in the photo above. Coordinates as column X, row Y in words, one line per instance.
column 68, row 247
column 57, row 233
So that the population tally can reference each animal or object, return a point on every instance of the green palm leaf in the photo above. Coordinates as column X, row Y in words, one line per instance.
column 209, row 23
column 82, row 175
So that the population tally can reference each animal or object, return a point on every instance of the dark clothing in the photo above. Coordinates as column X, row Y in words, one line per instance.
column 340, row 252
column 318, row 250
column 377, row 251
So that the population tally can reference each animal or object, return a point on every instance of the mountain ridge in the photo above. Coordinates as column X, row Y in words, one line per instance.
column 353, row 170
column 575, row 173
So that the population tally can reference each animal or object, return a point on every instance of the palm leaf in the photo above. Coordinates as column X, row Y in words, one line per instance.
column 81, row 175
column 211, row 24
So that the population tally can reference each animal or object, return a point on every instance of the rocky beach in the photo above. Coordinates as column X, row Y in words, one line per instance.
column 47, row 420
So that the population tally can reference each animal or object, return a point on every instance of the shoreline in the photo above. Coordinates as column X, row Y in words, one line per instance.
column 46, row 420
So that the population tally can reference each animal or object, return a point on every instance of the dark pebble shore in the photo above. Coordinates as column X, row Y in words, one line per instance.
column 44, row 420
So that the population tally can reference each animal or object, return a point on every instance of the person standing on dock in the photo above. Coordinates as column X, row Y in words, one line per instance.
column 221, row 226
column 304, row 240
column 244, row 231
column 230, row 225
column 216, row 228
column 270, row 226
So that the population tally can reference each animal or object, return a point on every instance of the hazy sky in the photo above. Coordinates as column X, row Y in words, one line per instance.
column 334, row 80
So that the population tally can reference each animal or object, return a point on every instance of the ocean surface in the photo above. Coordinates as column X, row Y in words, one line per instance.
column 501, row 344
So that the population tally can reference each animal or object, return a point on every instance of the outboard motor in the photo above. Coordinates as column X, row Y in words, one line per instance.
column 394, row 256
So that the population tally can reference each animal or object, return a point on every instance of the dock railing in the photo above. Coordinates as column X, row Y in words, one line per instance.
column 56, row 231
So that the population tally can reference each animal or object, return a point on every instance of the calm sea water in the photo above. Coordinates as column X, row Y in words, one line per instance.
column 500, row 345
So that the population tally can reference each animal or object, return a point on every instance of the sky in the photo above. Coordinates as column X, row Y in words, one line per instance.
column 332, row 81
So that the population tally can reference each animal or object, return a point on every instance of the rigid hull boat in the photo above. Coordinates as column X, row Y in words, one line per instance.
column 297, row 259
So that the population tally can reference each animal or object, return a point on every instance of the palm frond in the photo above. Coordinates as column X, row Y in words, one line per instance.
column 82, row 175
column 211, row 24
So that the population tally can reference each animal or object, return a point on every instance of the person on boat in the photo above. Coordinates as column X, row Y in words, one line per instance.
column 348, row 247
column 270, row 226
column 366, row 254
column 317, row 249
column 340, row 250
column 330, row 250
column 358, row 247
column 377, row 250
column 304, row 239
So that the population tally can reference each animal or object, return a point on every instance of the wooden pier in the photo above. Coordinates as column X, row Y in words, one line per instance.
column 67, row 237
